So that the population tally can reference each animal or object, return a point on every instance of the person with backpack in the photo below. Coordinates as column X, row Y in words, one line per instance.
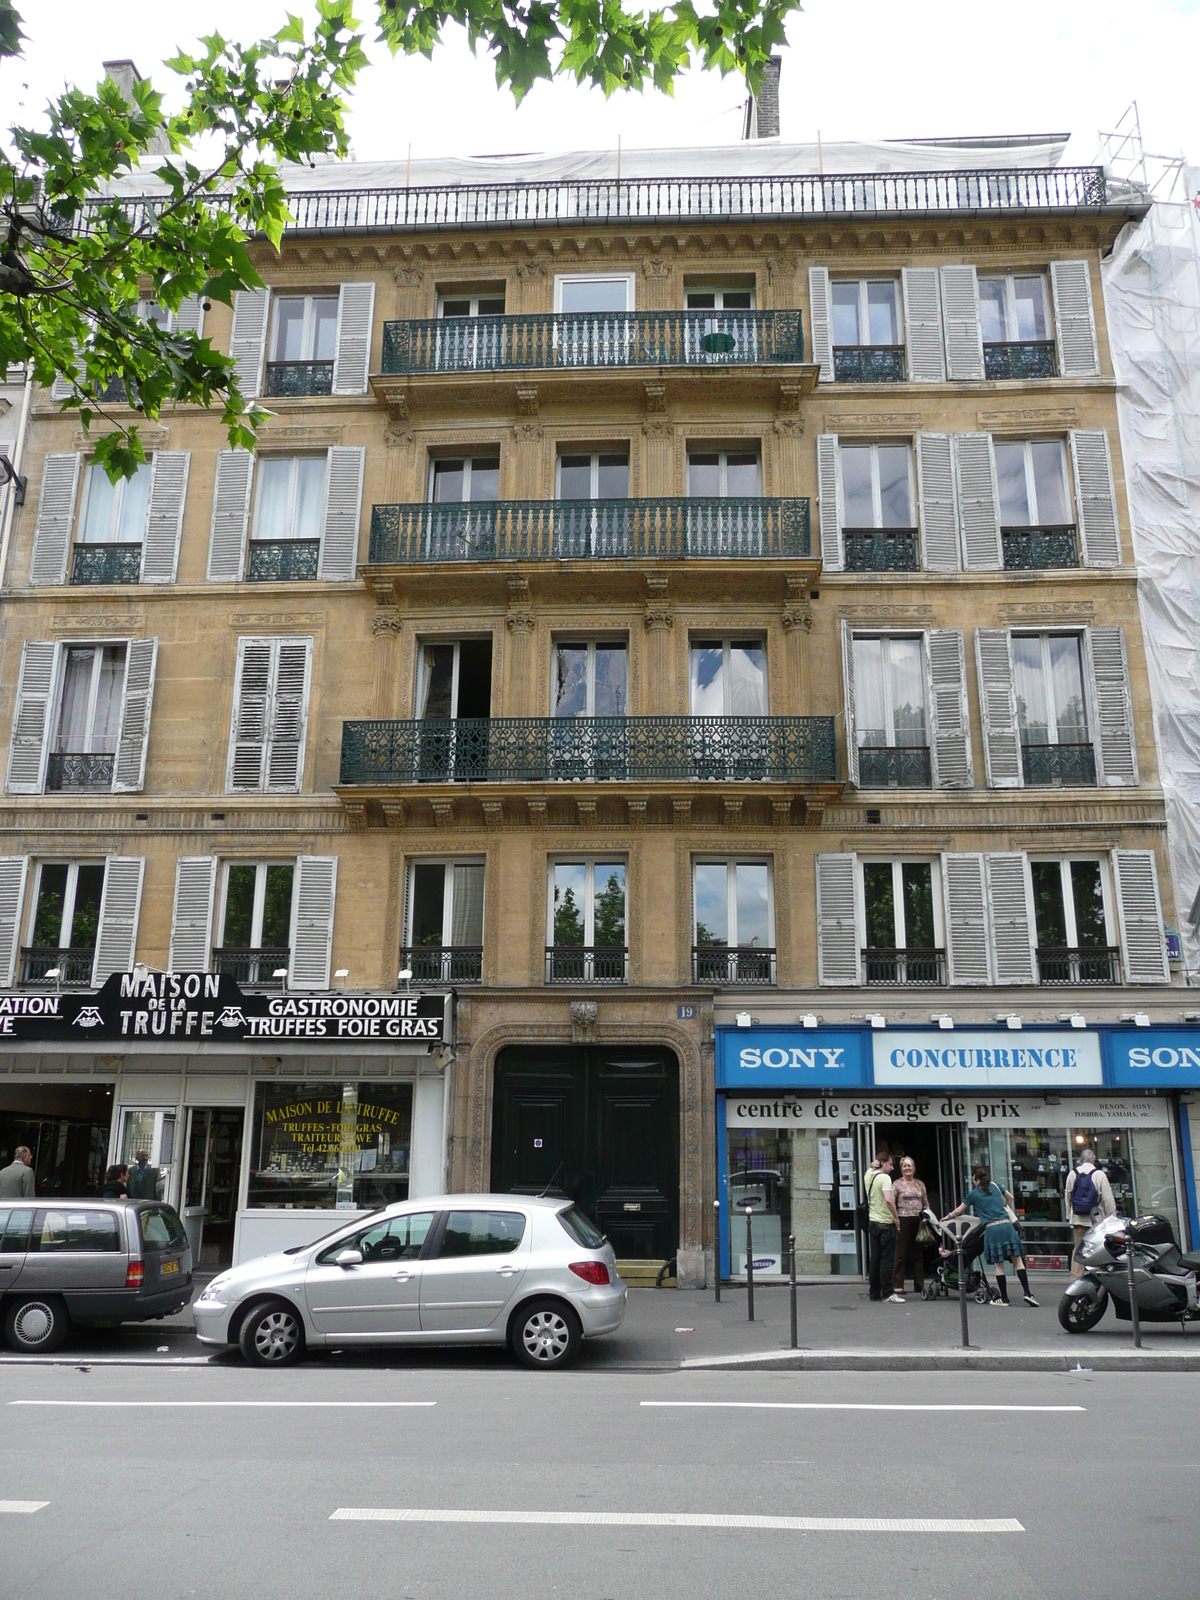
column 1087, row 1197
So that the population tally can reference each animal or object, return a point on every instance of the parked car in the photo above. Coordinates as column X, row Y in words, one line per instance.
column 88, row 1262
column 460, row 1269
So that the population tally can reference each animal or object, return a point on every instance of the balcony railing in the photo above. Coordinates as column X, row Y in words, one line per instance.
column 298, row 378
column 899, row 969
column 591, row 530
column 107, row 563
column 252, row 969
column 1091, row 964
column 1052, row 765
column 582, row 963
column 1031, row 358
column 868, row 363
column 74, row 965
column 282, row 559
column 590, row 750
column 439, row 963
column 593, row 339
column 881, row 549
column 1032, row 549
column 894, row 766
column 79, row 769
column 744, row 965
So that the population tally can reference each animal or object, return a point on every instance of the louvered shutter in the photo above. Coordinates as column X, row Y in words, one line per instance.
column 820, row 315
column 312, row 922
column 231, row 515
column 190, row 316
column 829, row 489
column 950, row 733
column 164, row 515
column 850, row 723
column 1095, row 498
column 978, row 502
column 351, row 362
column 998, row 708
column 964, row 340
column 61, row 388
column 248, row 337
column 938, row 506
column 129, row 767
column 1074, row 323
column 1139, row 912
column 120, row 904
column 837, row 920
column 923, row 325
column 251, row 711
column 965, row 907
column 1109, row 672
column 32, row 717
column 1010, row 899
column 56, row 513
column 191, row 914
column 13, row 872
column 289, row 715
column 343, row 504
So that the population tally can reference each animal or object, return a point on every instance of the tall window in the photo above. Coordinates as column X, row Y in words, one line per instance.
column 114, row 513
column 866, row 311
column 1014, row 309
column 305, row 327
column 591, row 678
column 254, row 923
column 733, row 927
column 485, row 303
column 455, row 679
column 285, row 539
column 594, row 475
column 1073, row 920
column 445, row 922
column 594, row 292
column 902, row 923
column 66, row 919
column 877, row 486
column 889, row 710
column 720, row 297
column 728, row 677
column 1052, row 708
column 586, row 940
column 458, row 478
column 1032, row 474
column 713, row 473
column 89, row 718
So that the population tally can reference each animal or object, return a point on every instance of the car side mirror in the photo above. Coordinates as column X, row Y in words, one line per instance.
column 348, row 1258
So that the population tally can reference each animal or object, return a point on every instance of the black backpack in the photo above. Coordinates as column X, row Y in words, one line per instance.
column 1085, row 1196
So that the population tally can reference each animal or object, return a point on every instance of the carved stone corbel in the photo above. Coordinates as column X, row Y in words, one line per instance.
column 586, row 810
column 527, row 400
column 584, row 1018
column 637, row 814
column 782, row 812
column 396, row 812
column 493, row 815
column 537, row 813
column 658, row 615
column 443, row 813
column 733, row 810
column 683, row 812
column 356, row 815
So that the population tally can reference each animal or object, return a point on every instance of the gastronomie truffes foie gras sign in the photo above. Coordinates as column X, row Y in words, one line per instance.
column 206, row 1007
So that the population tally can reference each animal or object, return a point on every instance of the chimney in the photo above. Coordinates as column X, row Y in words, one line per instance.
column 762, row 109
column 124, row 74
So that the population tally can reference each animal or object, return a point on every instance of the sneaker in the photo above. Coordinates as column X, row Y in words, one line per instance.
column 895, row 1299
column 1003, row 1305
column 1030, row 1301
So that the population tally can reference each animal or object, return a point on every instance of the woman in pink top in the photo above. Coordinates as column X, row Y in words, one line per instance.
column 911, row 1199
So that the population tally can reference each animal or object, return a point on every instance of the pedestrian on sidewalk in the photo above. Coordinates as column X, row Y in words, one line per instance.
column 882, row 1226
column 116, row 1182
column 1087, row 1197
column 143, row 1179
column 16, row 1180
column 911, row 1199
column 1001, row 1241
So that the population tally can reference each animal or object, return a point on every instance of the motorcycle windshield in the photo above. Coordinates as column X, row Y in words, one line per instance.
column 1104, row 1227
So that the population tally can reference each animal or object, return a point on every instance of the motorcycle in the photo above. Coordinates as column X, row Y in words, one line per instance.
column 1165, row 1280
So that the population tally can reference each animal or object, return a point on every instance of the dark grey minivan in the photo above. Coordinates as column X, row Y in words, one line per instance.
column 88, row 1261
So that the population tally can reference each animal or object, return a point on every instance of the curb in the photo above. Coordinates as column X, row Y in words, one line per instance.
column 947, row 1361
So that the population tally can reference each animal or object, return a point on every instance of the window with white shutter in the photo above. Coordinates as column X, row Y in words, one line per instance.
column 14, row 870
column 923, row 324
column 867, row 347
column 1074, row 321
column 1014, row 311
column 129, row 765
column 1011, row 907
column 821, row 321
column 55, row 514
column 837, row 920
column 1139, row 912
column 64, row 920
column 938, row 503
column 879, row 531
column 887, row 723
column 254, row 923
column 120, row 905
column 351, row 365
column 965, row 910
column 191, row 914
column 270, row 712
column 1116, row 746
column 829, row 488
column 30, row 744
column 230, row 516
column 960, row 308
column 949, row 718
column 902, row 921
column 1095, row 498
column 1036, row 528
column 312, row 921
column 1074, row 921
column 978, row 502
column 248, row 338
column 164, row 515
column 343, row 505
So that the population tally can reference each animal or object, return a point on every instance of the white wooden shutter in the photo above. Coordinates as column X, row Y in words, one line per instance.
column 251, row 711
column 938, row 507
column 312, row 922
column 837, row 920
column 32, row 717
column 120, row 905
column 965, row 908
column 56, row 513
column 1095, row 498
column 978, row 502
column 61, row 388
column 923, row 325
column 829, row 490
column 289, row 715
column 164, row 515
column 820, row 314
column 343, row 504
column 1116, row 747
column 248, row 337
column 950, row 730
column 848, row 683
column 998, row 709
column 129, row 768
column 351, row 361
column 13, row 872
column 964, row 340
column 190, row 316
column 1139, row 913
column 1010, row 899
column 191, row 914
column 231, row 515
column 1074, row 323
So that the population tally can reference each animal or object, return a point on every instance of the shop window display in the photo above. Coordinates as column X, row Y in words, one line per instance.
column 330, row 1145
column 794, row 1180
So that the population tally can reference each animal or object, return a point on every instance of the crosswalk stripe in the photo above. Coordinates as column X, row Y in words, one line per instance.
column 687, row 1519
column 831, row 1405
column 251, row 1405
column 23, row 1505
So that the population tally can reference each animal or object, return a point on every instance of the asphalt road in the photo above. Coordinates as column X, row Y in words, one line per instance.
column 218, row 1481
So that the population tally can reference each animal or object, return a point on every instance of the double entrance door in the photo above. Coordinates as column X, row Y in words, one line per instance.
column 210, row 1185
column 600, row 1125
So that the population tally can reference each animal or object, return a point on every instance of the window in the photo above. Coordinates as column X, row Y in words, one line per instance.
column 877, row 486
column 481, row 1233
column 444, row 936
column 1014, row 310
column 84, row 742
column 728, row 677
column 327, row 1145
column 162, row 1229
column 733, row 922
column 721, row 473
column 469, row 303
column 66, row 920
column 902, row 921
column 866, row 311
column 303, row 345
column 114, row 513
column 590, row 678
column 463, row 340
column 60, row 1232
column 1074, row 922
column 581, row 1228
column 270, row 715
column 392, row 1239
column 256, row 907
column 586, row 922
column 889, row 711
column 1052, row 708
column 719, row 297
column 1034, row 495
column 285, row 540
column 597, row 475
column 593, row 293
column 459, row 478
column 455, row 679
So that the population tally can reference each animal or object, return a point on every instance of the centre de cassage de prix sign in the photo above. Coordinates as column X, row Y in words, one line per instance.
column 206, row 1007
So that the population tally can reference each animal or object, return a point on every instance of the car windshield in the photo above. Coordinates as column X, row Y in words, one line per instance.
column 581, row 1228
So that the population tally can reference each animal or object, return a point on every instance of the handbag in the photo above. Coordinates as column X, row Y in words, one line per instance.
column 925, row 1234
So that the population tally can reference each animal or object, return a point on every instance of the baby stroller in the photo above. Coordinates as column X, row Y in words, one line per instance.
column 944, row 1283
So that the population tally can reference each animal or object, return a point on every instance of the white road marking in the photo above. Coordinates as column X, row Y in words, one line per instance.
column 23, row 1505
column 831, row 1405
column 689, row 1519
column 280, row 1405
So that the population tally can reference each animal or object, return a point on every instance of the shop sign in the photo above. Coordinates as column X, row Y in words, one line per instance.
column 968, row 1059
column 788, row 1058
column 1155, row 1058
column 975, row 1110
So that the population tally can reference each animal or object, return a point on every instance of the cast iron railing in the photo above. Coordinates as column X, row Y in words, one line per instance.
column 881, row 549
column 282, row 559
column 895, row 766
column 868, row 363
column 107, row 563
column 582, row 530
column 590, row 750
column 1031, row 358
column 585, row 963
column 252, row 969
column 1088, row 964
column 1051, row 765
column 904, row 968
column 721, row 965
column 1032, row 549
column 298, row 378
column 74, row 965
column 79, row 769
column 438, row 963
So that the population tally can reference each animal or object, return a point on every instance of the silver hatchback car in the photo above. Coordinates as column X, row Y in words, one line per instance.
column 536, row 1274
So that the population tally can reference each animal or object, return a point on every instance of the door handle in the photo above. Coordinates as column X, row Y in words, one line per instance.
column 403, row 1276
column 506, row 1271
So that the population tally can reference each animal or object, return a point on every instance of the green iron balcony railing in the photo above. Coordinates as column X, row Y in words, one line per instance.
column 571, row 340
column 1053, row 765
column 282, row 559
column 1035, row 549
column 580, row 963
column 581, row 530
column 896, row 766
column 868, row 363
column 107, row 563
column 901, row 968
column 590, row 750
column 747, row 966
column 298, row 378
column 1031, row 358
column 79, row 769
column 881, row 549
column 442, row 963
column 1087, row 964
column 73, row 965
column 252, row 969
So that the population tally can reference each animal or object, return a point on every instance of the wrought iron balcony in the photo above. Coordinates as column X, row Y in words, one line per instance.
column 114, row 391
column 282, row 559
column 881, row 549
column 894, row 766
column 593, row 339
column 79, row 769
column 1055, row 765
column 1032, row 549
column 1099, row 964
column 74, row 965
column 107, row 563
column 585, row 963
column 1030, row 358
column 298, row 378
column 868, row 363
column 252, row 969
column 730, row 966
column 898, row 969
column 439, row 963
column 590, row 750
column 591, row 530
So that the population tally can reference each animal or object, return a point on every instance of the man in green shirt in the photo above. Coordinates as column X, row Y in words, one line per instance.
column 883, row 1224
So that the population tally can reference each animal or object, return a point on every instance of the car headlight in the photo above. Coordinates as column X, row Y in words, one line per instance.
column 213, row 1292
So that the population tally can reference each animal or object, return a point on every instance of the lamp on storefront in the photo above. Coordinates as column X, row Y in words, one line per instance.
column 1075, row 1018
column 281, row 974
column 744, row 1019
column 1010, row 1019
column 343, row 973
column 809, row 1020
column 405, row 977
column 1138, row 1018
column 56, row 974
column 876, row 1020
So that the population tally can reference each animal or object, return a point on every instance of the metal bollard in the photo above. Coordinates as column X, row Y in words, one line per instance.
column 792, row 1283
column 1133, row 1305
column 962, row 1297
column 717, row 1249
column 749, row 1270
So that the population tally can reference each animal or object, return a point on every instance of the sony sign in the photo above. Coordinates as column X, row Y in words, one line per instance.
column 966, row 1058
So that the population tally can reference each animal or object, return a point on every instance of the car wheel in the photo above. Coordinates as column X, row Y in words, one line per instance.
column 1078, row 1313
column 545, row 1333
column 37, row 1324
column 271, row 1335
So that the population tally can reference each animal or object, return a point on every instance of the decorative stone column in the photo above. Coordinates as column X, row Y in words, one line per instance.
column 520, row 624
column 658, row 696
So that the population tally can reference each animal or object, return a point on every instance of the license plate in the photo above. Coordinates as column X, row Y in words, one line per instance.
column 169, row 1266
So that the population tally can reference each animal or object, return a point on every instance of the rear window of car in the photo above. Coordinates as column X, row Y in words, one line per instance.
column 581, row 1228
column 161, row 1229
column 67, row 1230
column 482, row 1233
column 14, row 1229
